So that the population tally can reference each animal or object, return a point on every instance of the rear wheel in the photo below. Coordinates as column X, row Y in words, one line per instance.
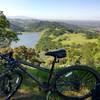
column 9, row 83
column 76, row 82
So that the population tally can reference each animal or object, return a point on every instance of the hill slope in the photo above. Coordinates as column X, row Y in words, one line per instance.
column 38, row 25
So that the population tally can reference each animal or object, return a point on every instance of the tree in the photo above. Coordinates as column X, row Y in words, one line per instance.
column 46, row 43
column 6, row 35
column 91, row 35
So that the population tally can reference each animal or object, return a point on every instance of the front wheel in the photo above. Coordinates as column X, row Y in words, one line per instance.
column 9, row 83
column 76, row 82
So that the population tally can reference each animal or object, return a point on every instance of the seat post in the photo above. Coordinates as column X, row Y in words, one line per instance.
column 51, row 70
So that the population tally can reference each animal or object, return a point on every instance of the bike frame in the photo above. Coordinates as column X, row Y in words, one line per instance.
column 19, row 64
column 33, row 77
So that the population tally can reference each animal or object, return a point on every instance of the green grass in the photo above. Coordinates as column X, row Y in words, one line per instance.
column 30, row 85
column 29, row 89
column 69, row 39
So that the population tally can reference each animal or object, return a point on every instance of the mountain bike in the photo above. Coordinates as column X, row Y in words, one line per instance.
column 70, row 83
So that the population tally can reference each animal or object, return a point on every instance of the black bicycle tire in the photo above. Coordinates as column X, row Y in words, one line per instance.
column 76, row 67
column 17, row 85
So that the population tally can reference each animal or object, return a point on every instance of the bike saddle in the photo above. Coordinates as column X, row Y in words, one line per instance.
column 61, row 53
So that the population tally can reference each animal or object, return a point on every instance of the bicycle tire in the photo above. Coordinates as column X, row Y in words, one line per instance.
column 9, row 84
column 73, row 80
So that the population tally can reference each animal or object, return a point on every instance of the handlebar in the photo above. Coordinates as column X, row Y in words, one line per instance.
column 7, row 56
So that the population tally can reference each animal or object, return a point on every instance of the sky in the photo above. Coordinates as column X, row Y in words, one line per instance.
column 53, row 9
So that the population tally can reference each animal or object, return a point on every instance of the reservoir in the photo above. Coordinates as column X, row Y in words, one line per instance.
column 28, row 39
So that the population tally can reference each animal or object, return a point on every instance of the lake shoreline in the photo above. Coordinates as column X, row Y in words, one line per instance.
column 28, row 39
column 28, row 32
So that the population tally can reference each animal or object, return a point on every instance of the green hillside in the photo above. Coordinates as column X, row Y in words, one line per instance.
column 19, row 25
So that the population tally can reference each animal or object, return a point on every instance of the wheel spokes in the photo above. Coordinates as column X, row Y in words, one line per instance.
column 76, row 82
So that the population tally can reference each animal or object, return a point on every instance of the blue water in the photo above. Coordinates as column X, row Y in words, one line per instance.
column 27, row 39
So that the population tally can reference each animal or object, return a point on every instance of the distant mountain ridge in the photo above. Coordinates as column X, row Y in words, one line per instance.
column 23, row 23
column 19, row 17
column 19, row 25
column 87, row 24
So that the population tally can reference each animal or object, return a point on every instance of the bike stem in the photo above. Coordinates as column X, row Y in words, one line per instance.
column 51, row 71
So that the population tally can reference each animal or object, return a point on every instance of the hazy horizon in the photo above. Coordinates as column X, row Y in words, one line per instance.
column 28, row 17
column 53, row 9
